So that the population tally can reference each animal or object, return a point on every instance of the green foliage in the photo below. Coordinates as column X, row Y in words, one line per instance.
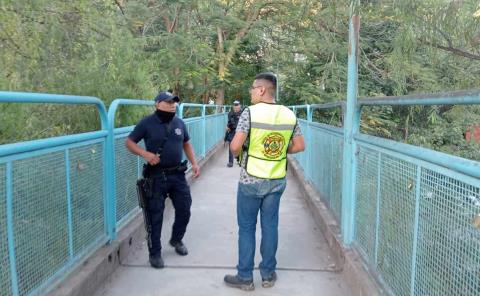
column 78, row 48
column 134, row 48
column 446, row 132
column 377, row 120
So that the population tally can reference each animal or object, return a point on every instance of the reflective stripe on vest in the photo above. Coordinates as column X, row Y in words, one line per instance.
column 271, row 128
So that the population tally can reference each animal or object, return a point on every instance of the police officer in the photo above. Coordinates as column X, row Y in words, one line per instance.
column 165, row 137
column 233, row 117
column 266, row 132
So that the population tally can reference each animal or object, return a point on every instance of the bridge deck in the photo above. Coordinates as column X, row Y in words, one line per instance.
column 304, row 260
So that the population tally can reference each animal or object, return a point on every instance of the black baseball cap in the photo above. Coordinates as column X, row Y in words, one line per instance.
column 166, row 96
column 236, row 103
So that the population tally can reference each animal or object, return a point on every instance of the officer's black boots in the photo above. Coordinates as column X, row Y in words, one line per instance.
column 156, row 261
column 179, row 248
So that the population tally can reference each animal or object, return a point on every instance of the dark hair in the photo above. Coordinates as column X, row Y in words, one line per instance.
column 272, row 78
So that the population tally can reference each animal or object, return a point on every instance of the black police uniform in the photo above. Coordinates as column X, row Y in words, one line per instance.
column 166, row 181
column 232, row 123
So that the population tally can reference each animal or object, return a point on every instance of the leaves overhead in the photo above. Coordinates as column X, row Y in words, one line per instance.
column 206, row 50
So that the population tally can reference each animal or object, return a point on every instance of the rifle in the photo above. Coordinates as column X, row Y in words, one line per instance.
column 144, row 190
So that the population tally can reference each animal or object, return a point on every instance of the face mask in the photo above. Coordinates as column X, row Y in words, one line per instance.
column 165, row 116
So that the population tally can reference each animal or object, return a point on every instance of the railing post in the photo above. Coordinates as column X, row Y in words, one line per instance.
column 69, row 204
column 352, row 123
column 111, row 211
column 10, row 229
column 180, row 111
column 415, row 231
column 377, row 216
column 309, row 152
column 204, row 128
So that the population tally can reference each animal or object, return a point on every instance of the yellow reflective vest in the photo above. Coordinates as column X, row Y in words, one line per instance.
column 271, row 128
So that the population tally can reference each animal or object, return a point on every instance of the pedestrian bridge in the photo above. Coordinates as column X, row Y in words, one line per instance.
column 361, row 215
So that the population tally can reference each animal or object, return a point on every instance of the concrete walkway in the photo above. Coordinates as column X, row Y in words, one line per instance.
column 305, row 265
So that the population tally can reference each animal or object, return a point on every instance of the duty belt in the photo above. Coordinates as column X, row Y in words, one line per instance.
column 152, row 172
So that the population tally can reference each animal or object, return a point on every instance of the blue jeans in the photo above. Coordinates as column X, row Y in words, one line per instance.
column 252, row 198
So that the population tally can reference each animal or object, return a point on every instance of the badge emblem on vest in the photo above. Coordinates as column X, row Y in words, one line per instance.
column 273, row 145
column 178, row 132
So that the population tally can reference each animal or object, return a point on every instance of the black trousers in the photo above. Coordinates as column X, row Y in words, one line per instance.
column 230, row 155
column 229, row 139
column 175, row 187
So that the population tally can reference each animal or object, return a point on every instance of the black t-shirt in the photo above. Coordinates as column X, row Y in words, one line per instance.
column 233, row 118
column 152, row 130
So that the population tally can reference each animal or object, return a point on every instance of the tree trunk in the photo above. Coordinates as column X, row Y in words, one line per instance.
column 220, row 99
column 224, row 59
column 206, row 92
column 176, row 87
column 220, row 96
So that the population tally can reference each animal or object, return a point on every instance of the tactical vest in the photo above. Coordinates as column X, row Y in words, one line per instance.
column 271, row 128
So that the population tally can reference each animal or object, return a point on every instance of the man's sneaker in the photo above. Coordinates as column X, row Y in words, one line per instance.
column 179, row 248
column 229, row 164
column 156, row 261
column 270, row 281
column 234, row 282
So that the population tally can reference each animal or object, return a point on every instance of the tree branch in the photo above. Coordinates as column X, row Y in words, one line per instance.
column 119, row 5
column 322, row 25
column 175, row 20
column 15, row 47
column 375, row 68
column 450, row 47
column 445, row 35
column 456, row 51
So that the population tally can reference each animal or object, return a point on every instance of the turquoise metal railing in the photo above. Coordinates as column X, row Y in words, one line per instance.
column 322, row 158
column 411, row 212
column 213, row 126
column 304, row 123
column 126, row 168
column 62, row 198
column 425, row 237
column 413, row 208
column 52, row 206
column 422, row 240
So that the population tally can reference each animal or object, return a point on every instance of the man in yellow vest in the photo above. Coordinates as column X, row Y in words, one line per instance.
column 265, row 133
